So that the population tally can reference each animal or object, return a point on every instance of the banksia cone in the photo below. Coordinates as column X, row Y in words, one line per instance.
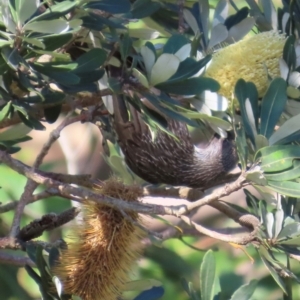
column 96, row 265
column 251, row 59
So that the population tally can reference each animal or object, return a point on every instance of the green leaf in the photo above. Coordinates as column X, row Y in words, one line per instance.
column 188, row 287
column 188, row 68
column 195, row 42
column 26, row 9
column 204, row 20
column 5, row 43
column 144, row 33
column 269, row 223
column 174, row 43
column 111, row 6
column 25, row 82
column 280, row 159
column 295, row 242
column 141, row 284
column 31, row 251
column 21, row 108
column 289, row 127
column 45, row 285
column 164, row 68
column 267, row 150
column 273, row 272
column 52, row 113
column 12, row 57
column 289, row 231
column 66, row 78
column 192, row 22
column 3, row 68
column 90, row 60
column 168, row 110
column 125, row 46
column 55, row 41
column 31, row 122
column 252, row 202
column 141, row 77
column 191, row 86
column 48, row 97
column 144, row 8
column 236, row 18
column 149, row 57
column 261, row 142
column 273, row 104
column 278, row 219
column 33, row 274
column 56, row 11
column 53, row 257
column 242, row 147
column 15, row 132
column 287, row 188
column 207, row 276
column 245, row 291
column 13, row 9
column 212, row 100
column 11, row 142
column 289, row 52
column 34, row 42
column 286, row 175
column 247, row 96
column 96, row 22
column 8, row 16
column 55, row 67
column 114, row 84
column 92, row 76
column 48, row 26
column 5, row 111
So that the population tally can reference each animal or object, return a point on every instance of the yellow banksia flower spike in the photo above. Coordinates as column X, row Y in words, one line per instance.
column 251, row 59
column 97, row 264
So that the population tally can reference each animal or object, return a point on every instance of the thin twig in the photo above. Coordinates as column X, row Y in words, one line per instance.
column 180, row 5
column 229, row 238
column 218, row 194
column 37, row 197
column 10, row 243
column 71, row 101
column 13, row 204
column 27, row 194
column 19, row 261
column 31, row 185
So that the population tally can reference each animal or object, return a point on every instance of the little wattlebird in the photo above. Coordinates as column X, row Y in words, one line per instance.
column 168, row 160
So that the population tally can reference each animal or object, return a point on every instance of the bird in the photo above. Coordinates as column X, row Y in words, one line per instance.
column 170, row 159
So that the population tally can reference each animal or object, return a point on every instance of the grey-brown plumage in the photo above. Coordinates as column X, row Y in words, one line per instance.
column 166, row 159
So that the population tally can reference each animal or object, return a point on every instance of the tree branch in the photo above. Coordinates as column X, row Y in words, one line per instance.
column 229, row 238
column 74, row 179
column 80, row 194
column 180, row 4
column 18, row 261
column 31, row 184
column 71, row 102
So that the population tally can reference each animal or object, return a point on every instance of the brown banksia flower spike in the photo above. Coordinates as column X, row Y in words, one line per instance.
column 97, row 263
